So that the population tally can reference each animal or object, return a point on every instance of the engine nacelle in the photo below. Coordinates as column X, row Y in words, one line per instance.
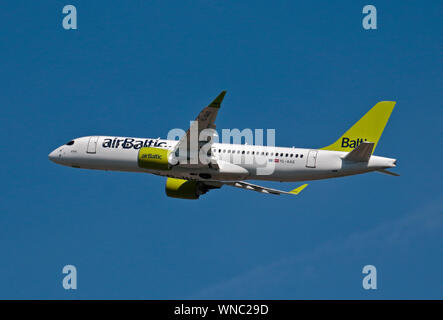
column 153, row 158
column 187, row 189
column 184, row 189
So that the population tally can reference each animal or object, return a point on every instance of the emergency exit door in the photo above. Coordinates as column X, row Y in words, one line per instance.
column 311, row 161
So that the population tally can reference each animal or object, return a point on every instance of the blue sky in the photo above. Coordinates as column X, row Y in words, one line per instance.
column 140, row 68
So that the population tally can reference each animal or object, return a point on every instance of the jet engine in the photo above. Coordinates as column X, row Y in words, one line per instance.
column 186, row 189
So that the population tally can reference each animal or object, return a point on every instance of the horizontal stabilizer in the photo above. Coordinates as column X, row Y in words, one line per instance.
column 388, row 172
column 361, row 153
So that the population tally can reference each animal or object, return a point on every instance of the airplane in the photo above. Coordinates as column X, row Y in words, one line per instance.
column 232, row 164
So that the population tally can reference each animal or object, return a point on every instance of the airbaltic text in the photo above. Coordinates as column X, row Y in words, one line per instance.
column 130, row 143
column 348, row 143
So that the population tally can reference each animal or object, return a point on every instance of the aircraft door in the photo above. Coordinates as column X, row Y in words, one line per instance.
column 92, row 145
column 311, row 160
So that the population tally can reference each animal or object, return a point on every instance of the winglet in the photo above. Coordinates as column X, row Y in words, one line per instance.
column 298, row 189
column 217, row 101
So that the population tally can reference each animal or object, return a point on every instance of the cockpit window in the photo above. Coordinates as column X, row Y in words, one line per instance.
column 70, row 143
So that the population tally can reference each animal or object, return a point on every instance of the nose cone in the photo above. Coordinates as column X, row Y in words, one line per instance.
column 53, row 156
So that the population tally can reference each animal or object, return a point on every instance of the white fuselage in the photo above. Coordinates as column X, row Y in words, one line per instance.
column 236, row 162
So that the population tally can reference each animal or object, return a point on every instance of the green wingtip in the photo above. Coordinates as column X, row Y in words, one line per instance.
column 299, row 189
column 217, row 101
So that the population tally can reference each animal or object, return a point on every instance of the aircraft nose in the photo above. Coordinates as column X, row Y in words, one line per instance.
column 53, row 155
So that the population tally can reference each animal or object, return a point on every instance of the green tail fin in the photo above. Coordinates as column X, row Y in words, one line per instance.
column 369, row 128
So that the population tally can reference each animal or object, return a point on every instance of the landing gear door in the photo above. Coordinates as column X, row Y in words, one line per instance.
column 92, row 145
column 311, row 160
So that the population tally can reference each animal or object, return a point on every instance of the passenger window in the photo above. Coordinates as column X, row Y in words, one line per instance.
column 243, row 152
column 291, row 155
column 301, row 156
column 296, row 155
column 287, row 155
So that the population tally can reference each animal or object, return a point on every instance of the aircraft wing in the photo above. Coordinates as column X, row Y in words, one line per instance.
column 257, row 188
column 205, row 120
